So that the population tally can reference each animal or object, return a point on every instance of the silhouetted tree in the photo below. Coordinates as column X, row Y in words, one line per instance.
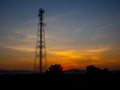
column 55, row 69
column 93, row 70
column 105, row 72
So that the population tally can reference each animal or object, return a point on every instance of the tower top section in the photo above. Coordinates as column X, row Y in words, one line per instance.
column 41, row 11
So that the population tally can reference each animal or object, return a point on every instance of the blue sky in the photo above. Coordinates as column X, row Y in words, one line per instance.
column 81, row 32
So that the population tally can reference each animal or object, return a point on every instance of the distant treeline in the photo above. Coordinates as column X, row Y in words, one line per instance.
column 54, row 78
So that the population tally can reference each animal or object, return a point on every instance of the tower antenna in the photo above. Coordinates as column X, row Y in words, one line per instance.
column 40, row 62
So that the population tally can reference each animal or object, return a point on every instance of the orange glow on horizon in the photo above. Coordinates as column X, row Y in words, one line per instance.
column 66, row 64
column 17, row 65
column 69, row 59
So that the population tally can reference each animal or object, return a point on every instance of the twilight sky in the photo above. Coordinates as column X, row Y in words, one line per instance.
column 78, row 33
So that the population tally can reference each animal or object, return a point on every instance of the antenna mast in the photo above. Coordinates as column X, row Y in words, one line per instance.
column 40, row 62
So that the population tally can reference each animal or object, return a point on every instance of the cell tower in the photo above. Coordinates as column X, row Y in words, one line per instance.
column 40, row 62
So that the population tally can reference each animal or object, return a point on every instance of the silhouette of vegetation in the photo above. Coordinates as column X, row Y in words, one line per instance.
column 55, row 69
column 105, row 71
column 93, row 79
column 93, row 70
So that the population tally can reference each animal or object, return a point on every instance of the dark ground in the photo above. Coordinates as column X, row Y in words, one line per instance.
column 65, row 81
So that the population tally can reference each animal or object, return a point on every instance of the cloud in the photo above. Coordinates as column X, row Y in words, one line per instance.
column 99, row 50
column 79, row 51
column 75, row 58
column 20, row 48
column 92, row 56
